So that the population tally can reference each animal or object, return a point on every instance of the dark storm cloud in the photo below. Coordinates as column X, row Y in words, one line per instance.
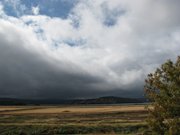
column 26, row 74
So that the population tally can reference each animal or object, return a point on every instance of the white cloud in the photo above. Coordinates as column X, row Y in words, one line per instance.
column 35, row 10
column 121, row 54
column 1, row 9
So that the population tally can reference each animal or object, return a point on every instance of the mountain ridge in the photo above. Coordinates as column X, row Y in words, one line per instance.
column 100, row 100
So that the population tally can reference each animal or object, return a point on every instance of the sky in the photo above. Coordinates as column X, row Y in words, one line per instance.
column 84, row 48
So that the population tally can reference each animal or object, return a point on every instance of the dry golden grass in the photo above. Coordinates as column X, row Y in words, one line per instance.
column 7, row 108
column 94, row 119
column 69, row 109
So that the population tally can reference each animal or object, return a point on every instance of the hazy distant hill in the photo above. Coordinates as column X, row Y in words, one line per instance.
column 11, row 101
column 101, row 100
column 108, row 100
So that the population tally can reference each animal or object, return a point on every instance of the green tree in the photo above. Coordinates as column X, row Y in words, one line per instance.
column 162, row 88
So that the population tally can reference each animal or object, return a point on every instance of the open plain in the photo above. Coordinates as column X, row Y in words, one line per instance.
column 79, row 119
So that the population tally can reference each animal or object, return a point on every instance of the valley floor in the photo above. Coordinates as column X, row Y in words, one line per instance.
column 83, row 119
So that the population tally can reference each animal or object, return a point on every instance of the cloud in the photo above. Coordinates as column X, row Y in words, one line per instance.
column 101, row 48
column 35, row 10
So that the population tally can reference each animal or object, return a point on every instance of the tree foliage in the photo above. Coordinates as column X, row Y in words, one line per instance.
column 162, row 88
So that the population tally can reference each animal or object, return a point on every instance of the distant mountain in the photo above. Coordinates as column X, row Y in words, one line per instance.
column 108, row 100
column 11, row 101
column 101, row 100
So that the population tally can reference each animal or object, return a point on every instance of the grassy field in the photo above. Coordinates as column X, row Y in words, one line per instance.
column 54, row 120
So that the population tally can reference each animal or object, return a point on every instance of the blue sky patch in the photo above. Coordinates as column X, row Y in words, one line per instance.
column 77, row 42
column 111, row 15
column 53, row 8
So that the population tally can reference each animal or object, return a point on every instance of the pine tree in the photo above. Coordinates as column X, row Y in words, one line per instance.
column 162, row 88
